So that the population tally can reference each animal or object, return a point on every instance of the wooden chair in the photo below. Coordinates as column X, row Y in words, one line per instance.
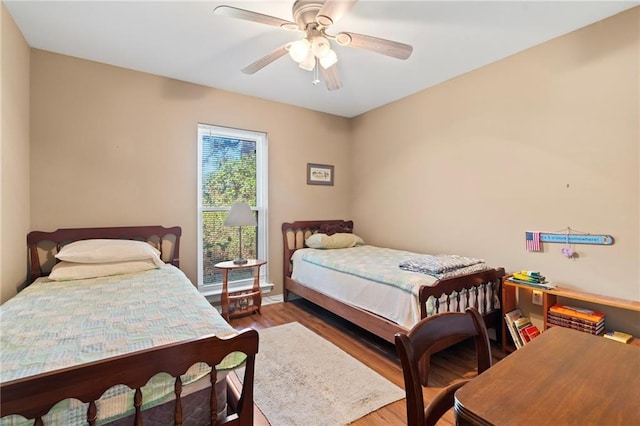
column 428, row 333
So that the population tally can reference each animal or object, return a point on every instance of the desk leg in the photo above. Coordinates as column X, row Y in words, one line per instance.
column 225, row 294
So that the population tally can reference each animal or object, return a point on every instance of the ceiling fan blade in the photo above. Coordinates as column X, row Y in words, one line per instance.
column 333, row 10
column 234, row 12
column 375, row 44
column 331, row 77
column 266, row 60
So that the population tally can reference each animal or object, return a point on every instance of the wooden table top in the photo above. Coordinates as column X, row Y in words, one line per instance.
column 562, row 377
column 230, row 265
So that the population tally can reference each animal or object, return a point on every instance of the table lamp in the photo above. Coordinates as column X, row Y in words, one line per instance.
column 240, row 215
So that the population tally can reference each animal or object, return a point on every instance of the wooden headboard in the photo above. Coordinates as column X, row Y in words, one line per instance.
column 294, row 235
column 43, row 246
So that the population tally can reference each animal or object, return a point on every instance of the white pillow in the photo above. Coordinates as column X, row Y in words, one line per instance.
column 66, row 271
column 108, row 251
column 335, row 241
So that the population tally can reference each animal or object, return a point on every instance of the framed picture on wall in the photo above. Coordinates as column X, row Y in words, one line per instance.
column 319, row 174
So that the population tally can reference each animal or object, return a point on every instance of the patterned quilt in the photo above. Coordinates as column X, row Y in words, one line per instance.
column 373, row 263
column 52, row 325
column 381, row 265
column 443, row 265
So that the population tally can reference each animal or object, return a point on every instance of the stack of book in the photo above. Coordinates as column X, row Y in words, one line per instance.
column 520, row 327
column 531, row 278
column 581, row 319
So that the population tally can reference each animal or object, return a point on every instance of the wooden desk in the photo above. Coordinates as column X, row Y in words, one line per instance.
column 562, row 377
column 240, row 299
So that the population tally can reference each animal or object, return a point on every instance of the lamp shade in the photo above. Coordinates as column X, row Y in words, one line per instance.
column 298, row 50
column 320, row 46
column 240, row 215
column 309, row 62
column 329, row 59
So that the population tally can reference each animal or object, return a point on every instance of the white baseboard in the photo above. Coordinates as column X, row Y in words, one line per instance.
column 277, row 298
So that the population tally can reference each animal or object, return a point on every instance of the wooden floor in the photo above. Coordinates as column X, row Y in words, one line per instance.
column 447, row 366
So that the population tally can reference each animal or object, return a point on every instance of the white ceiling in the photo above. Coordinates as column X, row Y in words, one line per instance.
column 185, row 41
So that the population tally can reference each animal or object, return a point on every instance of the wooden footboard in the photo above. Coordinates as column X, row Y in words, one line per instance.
column 33, row 397
column 480, row 289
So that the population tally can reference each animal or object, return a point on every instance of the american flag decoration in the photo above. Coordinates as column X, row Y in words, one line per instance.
column 533, row 241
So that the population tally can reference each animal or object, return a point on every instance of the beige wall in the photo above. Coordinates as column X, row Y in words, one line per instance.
column 14, row 155
column 544, row 140
column 111, row 146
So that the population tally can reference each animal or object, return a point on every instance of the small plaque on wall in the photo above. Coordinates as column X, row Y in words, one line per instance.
column 319, row 174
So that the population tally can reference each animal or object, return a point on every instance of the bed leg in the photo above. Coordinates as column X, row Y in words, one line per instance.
column 285, row 295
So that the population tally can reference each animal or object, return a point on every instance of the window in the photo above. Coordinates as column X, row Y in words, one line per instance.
column 232, row 166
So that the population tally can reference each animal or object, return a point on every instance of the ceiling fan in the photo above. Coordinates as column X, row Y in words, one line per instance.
column 313, row 52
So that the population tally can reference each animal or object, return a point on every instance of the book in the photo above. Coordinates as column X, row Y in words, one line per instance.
column 576, row 312
column 618, row 336
column 579, row 327
column 543, row 286
column 510, row 318
column 538, row 279
column 521, row 324
column 532, row 331
column 531, row 273
column 575, row 319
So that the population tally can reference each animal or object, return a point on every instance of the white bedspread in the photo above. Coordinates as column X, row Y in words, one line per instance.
column 396, row 303
column 369, row 278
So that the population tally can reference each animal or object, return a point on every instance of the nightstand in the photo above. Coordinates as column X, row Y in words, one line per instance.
column 241, row 302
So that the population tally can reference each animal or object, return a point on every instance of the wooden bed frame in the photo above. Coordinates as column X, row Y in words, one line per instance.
column 294, row 235
column 34, row 396
column 167, row 240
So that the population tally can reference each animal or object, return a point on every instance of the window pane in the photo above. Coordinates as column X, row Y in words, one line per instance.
column 221, row 243
column 228, row 171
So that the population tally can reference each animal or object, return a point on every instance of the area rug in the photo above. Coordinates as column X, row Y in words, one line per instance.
column 303, row 379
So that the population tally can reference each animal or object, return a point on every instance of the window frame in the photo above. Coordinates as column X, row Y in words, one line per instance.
column 261, row 207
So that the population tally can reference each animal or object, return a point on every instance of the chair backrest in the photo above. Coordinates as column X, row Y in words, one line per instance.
column 430, row 332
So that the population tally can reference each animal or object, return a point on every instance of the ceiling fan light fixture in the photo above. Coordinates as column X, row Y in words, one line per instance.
column 299, row 50
column 329, row 59
column 309, row 62
column 320, row 46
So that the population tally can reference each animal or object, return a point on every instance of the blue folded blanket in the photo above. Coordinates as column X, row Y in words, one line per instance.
column 438, row 264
